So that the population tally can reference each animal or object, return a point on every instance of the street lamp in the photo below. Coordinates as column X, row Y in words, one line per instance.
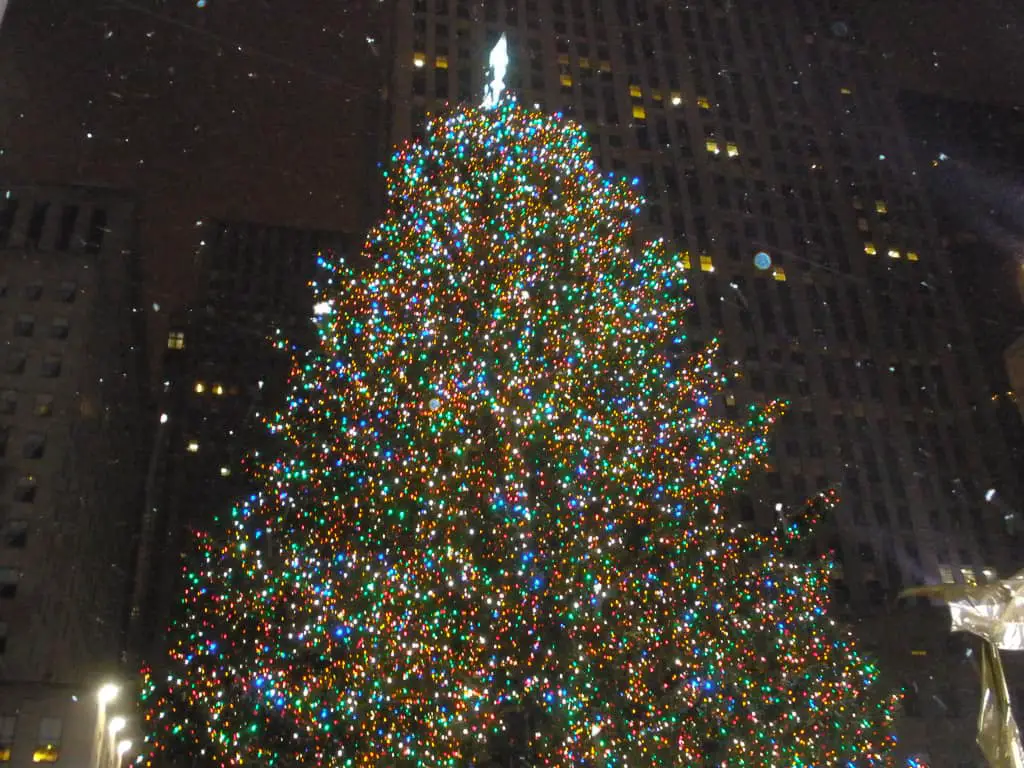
column 107, row 693
column 123, row 746
column 116, row 725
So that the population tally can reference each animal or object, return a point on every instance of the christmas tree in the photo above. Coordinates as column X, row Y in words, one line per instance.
column 497, row 523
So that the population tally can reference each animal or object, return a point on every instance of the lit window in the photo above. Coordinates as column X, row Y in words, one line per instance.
column 639, row 112
column 224, row 471
column 703, row 103
column 946, row 574
column 845, row 91
column 732, row 150
column 441, row 62
column 635, row 92
column 912, row 256
column 419, row 60
column 584, row 62
column 967, row 574
column 705, row 263
column 869, row 249
column 176, row 340
column 218, row 389
column 893, row 253
column 192, row 447
column 566, row 81
column 656, row 95
column 677, row 99
column 862, row 224
column 730, row 399
column 685, row 258
column 48, row 741
column 712, row 146
column 604, row 66
column 779, row 274
column 563, row 58
column 881, row 206
column 200, row 387
column 7, row 722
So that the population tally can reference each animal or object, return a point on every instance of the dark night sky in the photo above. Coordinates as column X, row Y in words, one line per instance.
column 287, row 129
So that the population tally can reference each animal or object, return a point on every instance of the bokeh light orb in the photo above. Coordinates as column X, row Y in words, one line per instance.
column 762, row 260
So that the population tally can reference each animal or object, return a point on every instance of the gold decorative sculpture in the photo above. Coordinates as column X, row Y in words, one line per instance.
column 995, row 613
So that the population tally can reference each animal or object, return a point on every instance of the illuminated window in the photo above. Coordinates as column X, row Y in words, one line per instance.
column 193, row 446
column 200, row 387
column 912, row 256
column 566, row 81
column 584, row 62
column 48, row 741
column 604, row 66
column 639, row 112
column 969, row 577
column 705, row 263
column 176, row 340
column 869, row 249
column 7, row 724
column 732, row 150
column 946, row 574
column 779, row 274
column 677, row 99
column 893, row 253
column 419, row 60
column 656, row 95
column 441, row 62
column 703, row 103
column 224, row 471
column 635, row 92
column 563, row 58
column 881, row 206
column 845, row 91
column 730, row 399
column 218, row 389
column 862, row 224
column 712, row 146
column 686, row 260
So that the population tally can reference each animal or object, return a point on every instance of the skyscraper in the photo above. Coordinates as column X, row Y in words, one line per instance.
column 775, row 157
column 71, row 402
column 220, row 372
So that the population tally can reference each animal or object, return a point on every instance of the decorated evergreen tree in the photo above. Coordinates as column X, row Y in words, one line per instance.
column 496, row 525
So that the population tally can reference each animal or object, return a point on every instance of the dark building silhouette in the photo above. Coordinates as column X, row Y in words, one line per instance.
column 221, row 373
column 72, row 442
column 768, row 128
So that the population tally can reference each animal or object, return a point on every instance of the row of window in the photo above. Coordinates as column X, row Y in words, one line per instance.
column 48, row 736
column 42, row 405
column 25, row 325
column 64, row 291
column 16, row 363
column 32, row 447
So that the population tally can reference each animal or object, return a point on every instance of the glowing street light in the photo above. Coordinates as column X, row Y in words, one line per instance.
column 107, row 693
column 117, row 724
column 123, row 746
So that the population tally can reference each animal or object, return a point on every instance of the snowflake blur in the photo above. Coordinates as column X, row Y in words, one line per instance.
column 498, row 521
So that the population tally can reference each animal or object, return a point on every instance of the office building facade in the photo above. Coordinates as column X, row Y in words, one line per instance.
column 766, row 128
column 221, row 373
column 72, row 390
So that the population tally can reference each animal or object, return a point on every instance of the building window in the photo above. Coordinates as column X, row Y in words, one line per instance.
column 60, row 328
column 639, row 112
column 34, row 446
column 912, row 256
column 176, row 340
column 51, row 366
column 712, row 146
column 192, row 446
column 881, row 207
column 5, row 435
column 732, row 149
column 8, row 723
column 8, row 402
column 43, row 406
column 33, row 291
column 419, row 60
column 25, row 489
column 779, row 274
column 15, row 362
column 869, row 249
column 441, row 62
column 16, row 534
column 24, row 324
column 66, row 291
column 706, row 264
column 9, row 580
column 703, row 103
column 48, row 742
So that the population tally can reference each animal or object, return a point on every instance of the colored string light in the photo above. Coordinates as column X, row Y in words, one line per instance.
column 498, row 518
